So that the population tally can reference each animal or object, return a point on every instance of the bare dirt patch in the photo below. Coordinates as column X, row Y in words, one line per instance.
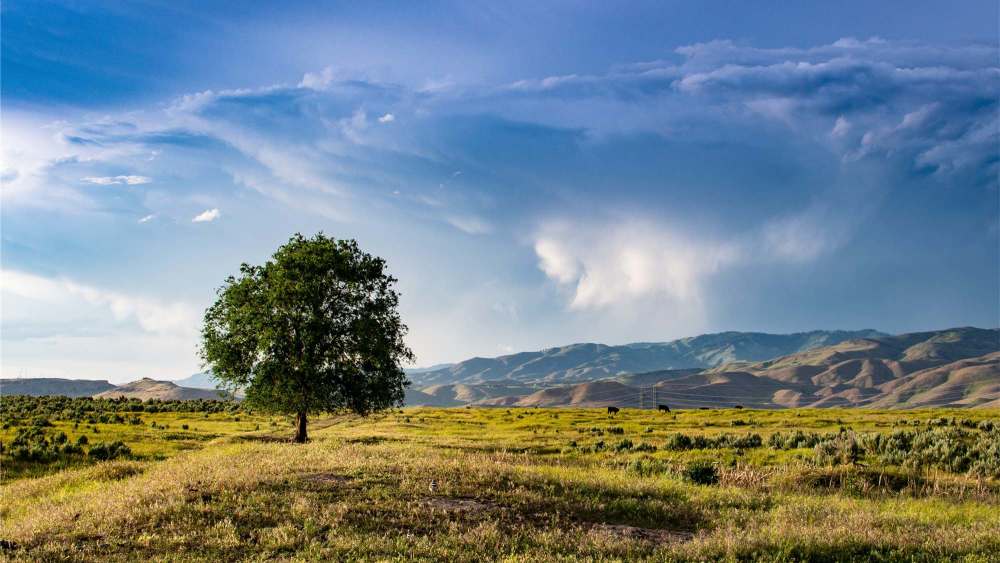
column 648, row 534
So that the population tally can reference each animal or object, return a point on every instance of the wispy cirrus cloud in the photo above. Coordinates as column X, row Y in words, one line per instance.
column 111, row 180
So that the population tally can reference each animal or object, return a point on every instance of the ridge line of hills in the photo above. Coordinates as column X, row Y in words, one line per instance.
column 957, row 367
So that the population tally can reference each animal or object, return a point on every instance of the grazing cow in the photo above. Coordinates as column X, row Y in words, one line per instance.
column 739, row 406
column 663, row 408
column 703, row 408
column 613, row 410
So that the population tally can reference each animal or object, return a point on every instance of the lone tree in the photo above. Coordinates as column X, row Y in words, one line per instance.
column 314, row 329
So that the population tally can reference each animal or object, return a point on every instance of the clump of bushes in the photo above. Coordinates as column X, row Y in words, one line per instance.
column 679, row 441
column 701, row 472
column 648, row 467
column 945, row 447
column 842, row 449
column 32, row 444
column 623, row 445
column 794, row 440
column 106, row 451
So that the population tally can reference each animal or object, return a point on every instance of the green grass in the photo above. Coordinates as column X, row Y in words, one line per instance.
column 509, row 485
column 166, row 439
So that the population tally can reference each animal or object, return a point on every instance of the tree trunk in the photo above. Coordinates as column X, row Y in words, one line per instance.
column 300, row 427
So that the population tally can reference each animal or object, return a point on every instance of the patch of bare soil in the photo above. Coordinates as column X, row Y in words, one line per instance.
column 647, row 534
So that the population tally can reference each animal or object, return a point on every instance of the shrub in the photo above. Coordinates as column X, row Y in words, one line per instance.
column 648, row 467
column 106, row 451
column 678, row 442
column 623, row 445
column 841, row 449
column 701, row 472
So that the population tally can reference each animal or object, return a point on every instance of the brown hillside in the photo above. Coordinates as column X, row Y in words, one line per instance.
column 147, row 388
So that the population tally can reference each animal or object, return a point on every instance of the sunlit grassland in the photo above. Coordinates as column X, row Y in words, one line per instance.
column 508, row 485
column 173, row 432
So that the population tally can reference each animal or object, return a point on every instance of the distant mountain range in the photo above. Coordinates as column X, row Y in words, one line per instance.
column 954, row 367
column 53, row 386
column 201, row 380
column 589, row 362
column 147, row 388
column 142, row 389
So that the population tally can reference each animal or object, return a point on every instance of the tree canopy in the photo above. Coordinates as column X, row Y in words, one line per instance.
column 313, row 329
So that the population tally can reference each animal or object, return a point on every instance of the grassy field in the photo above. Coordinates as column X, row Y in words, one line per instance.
column 519, row 484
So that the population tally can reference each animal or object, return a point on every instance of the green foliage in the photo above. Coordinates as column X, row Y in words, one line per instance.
column 680, row 442
column 623, row 445
column 32, row 444
column 38, row 410
column 112, row 450
column 841, row 449
column 794, row 440
column 701, row 472
column 314, row 329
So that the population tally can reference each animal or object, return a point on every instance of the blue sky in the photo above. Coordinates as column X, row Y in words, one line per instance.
column 534, row 174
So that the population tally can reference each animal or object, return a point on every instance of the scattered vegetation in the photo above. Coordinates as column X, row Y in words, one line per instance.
column 519, row 484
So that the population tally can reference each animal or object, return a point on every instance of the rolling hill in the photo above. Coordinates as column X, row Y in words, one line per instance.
column 53, row 386
column 147, row 388
column 588, row 362
column 956, row 367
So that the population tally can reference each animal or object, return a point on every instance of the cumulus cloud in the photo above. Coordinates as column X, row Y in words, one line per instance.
column 206, row 216
column 387, row 118
column 150, row 315
column 110, row 180
column 616, row 263
column 147, row 218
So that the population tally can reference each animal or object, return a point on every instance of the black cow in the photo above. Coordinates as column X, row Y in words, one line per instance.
column 613, row 410
column 663, row 408
column 739, row 406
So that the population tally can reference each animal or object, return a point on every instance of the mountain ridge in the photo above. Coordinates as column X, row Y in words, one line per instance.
column 590, row 361
column 957, row 367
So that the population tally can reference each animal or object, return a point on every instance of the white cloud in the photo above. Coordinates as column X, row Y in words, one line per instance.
column 556, row 260
column 470, row 224
column 841, row 127
column 318, row 80
column 206, row 216
column 620, row 262
column 147, row 218
column 387, row 118
column 56, row 327
column 110, row 180
column 150, row 315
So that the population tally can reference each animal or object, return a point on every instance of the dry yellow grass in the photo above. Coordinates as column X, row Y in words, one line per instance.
column 360, row 491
